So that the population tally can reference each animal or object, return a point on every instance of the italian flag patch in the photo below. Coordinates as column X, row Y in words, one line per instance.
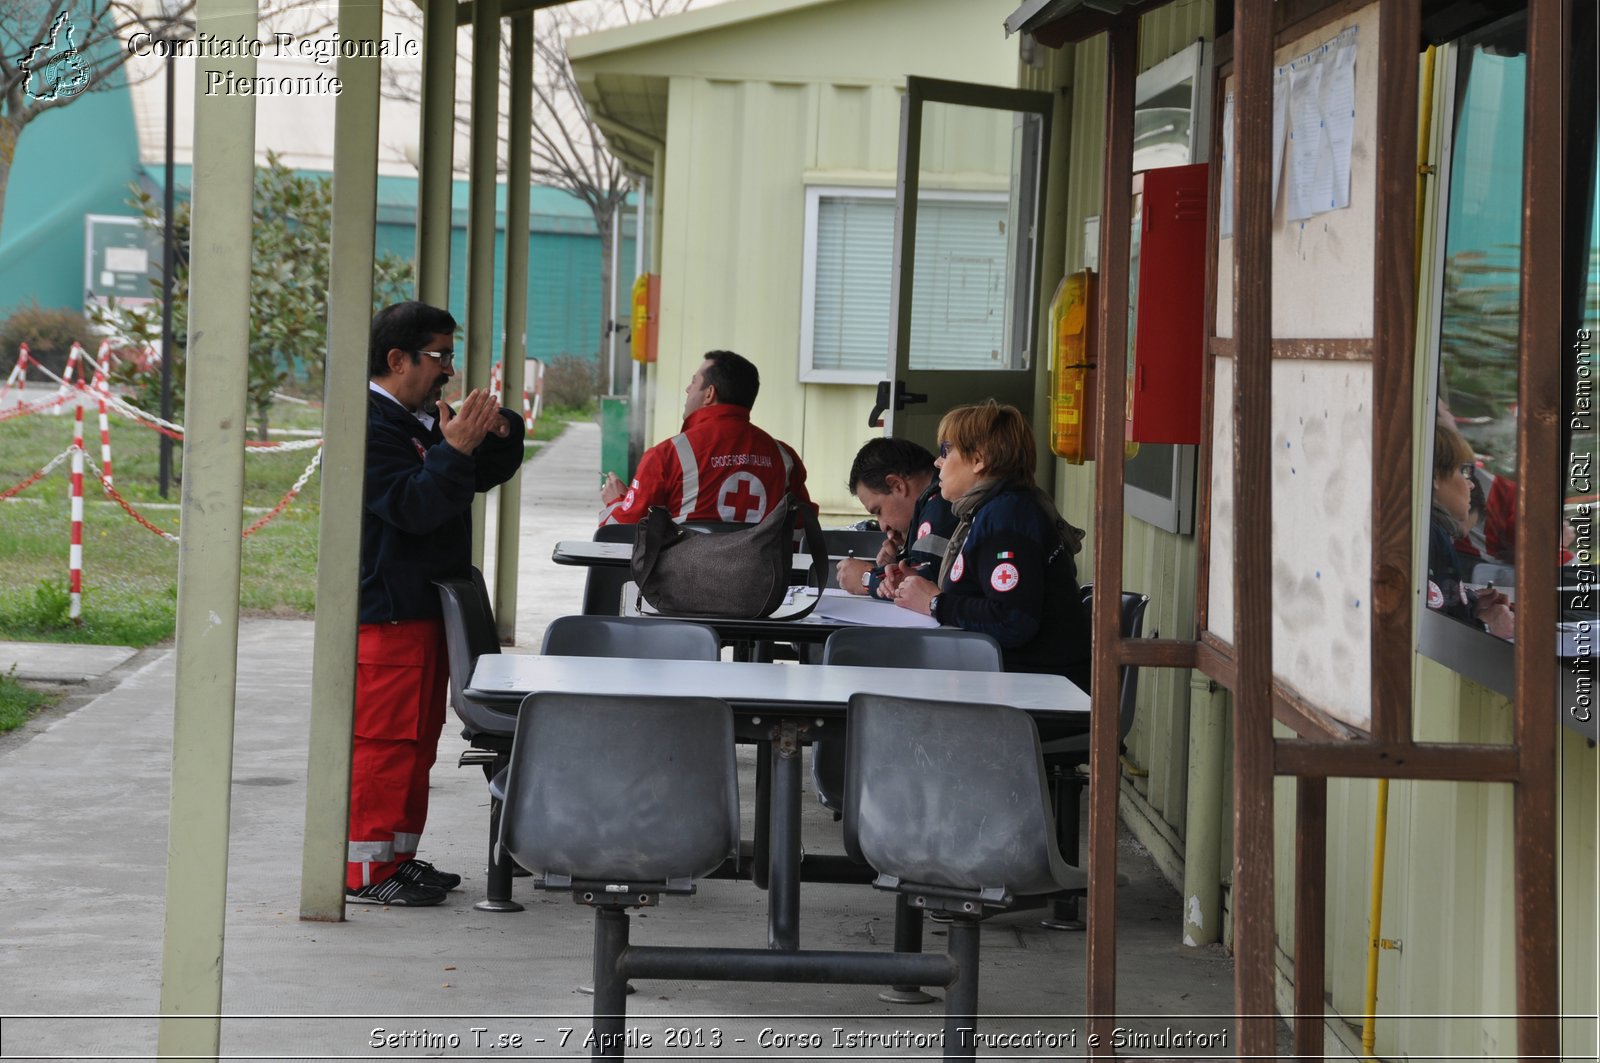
column 1005, row 555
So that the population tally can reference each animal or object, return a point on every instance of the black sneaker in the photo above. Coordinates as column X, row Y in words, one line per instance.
column 424, row 873
column 396, row 892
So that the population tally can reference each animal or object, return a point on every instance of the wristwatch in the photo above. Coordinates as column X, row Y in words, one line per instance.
column 866, row 580
column 933, row 606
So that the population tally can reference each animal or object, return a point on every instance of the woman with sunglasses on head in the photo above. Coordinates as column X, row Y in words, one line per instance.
column 1009, row 570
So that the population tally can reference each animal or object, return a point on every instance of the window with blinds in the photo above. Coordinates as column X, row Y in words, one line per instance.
column 960, row 279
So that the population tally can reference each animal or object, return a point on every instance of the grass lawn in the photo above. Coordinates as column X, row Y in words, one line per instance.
column 130, row 573
column 18, row 703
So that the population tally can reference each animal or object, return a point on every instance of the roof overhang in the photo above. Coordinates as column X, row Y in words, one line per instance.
column 1058, row 22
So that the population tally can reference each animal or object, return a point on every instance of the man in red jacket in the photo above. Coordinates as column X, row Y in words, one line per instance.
column 720, row 467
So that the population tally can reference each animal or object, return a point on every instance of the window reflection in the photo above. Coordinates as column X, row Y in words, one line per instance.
column 1472, row 526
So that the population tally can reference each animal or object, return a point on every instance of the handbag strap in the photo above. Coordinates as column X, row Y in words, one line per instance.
column 818, row 549
column 654, row 532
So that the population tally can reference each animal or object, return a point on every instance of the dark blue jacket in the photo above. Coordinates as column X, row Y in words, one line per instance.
column 926, row 539
column 1016, row 581
column 416, row 524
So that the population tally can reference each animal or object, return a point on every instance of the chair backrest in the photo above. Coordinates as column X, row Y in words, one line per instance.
column 469, row 633
column 652, row 638
column 602, row 588
column 621, row 789
column 1130, row 626
column 894, row 647
column 951, row 795
column 966, row 651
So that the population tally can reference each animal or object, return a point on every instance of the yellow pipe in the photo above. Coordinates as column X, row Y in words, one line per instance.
column 1380, row 830
column 1369, row 1032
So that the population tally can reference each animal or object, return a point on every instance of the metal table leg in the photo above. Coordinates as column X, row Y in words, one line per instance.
column 783, row 887
column 907, row 938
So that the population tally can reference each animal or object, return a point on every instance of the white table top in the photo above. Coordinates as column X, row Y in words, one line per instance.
column 749, row 685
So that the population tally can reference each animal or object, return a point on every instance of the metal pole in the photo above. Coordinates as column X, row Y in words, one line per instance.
column 344, row 434
column 169, row 255
column 612, row 325
column 436, row 151
column 481, row 216
column 519, row 176
column 208, row 556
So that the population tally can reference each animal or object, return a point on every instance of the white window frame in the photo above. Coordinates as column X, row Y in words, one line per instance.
column 808, row 371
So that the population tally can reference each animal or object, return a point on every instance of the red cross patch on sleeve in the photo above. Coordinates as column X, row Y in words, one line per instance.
column 958, row 568
column 1004, row 577
column 422, row 451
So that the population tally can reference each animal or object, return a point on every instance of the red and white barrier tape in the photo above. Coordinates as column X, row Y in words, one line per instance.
column 165, row 427
column 34, row 478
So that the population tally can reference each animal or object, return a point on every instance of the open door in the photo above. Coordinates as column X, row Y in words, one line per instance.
column 966, row 252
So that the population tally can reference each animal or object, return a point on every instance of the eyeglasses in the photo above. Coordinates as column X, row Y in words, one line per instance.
column 1469, row 470
column 446, row 359
column 945, row 447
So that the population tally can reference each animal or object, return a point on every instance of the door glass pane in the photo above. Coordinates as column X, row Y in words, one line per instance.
column 973, row 269
column 1472, row 520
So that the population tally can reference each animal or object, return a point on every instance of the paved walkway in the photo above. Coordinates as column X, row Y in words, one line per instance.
column 83, row 826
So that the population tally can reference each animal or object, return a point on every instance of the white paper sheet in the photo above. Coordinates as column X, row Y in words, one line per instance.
column 849, row 608
column 1339, row 113
column 1322, row 126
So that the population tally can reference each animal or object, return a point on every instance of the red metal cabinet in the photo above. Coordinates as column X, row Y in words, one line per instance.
column 1167, row 305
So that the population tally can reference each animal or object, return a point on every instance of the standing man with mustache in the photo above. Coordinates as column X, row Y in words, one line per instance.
column 425, row 462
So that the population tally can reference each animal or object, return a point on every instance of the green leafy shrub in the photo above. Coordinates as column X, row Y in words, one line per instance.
column 48, row 332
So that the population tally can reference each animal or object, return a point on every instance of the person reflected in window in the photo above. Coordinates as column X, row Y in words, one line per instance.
column 1447, row 590
column 1009, row 570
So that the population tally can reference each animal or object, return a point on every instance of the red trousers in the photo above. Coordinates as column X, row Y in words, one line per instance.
column 402, row 676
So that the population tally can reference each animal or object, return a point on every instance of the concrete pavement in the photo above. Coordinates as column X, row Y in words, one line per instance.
column 83, row 825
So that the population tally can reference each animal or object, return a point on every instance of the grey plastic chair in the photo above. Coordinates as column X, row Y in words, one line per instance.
column 602, row 587
column 1064, row 756
column 488, row 722
column 651, row 638
column 1131, row 626
column 620, row 800
column 948, row 804
column 967, row 651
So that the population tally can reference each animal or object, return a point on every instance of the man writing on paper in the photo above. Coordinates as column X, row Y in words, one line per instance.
column 895, row 481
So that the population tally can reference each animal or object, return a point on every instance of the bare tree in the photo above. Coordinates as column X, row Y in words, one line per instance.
column 52, row 52
column 568, row 149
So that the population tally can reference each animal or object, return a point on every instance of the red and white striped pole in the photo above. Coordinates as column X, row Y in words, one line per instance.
column 496, row 383
column 102, row 370
column 105, row 435
column 67, row 377
column 75, row 552
column 18, row 377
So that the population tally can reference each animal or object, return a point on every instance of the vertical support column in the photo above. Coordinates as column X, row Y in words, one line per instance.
column 344, row 448
column 1538, row 432
column 1394, row 296
column 1253, row 928
column 1117, row 212
column 208, row 556
column 480, row 216
column 519, row 175
column 1310, row 914
column 1202, row 833
column 436, row 151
